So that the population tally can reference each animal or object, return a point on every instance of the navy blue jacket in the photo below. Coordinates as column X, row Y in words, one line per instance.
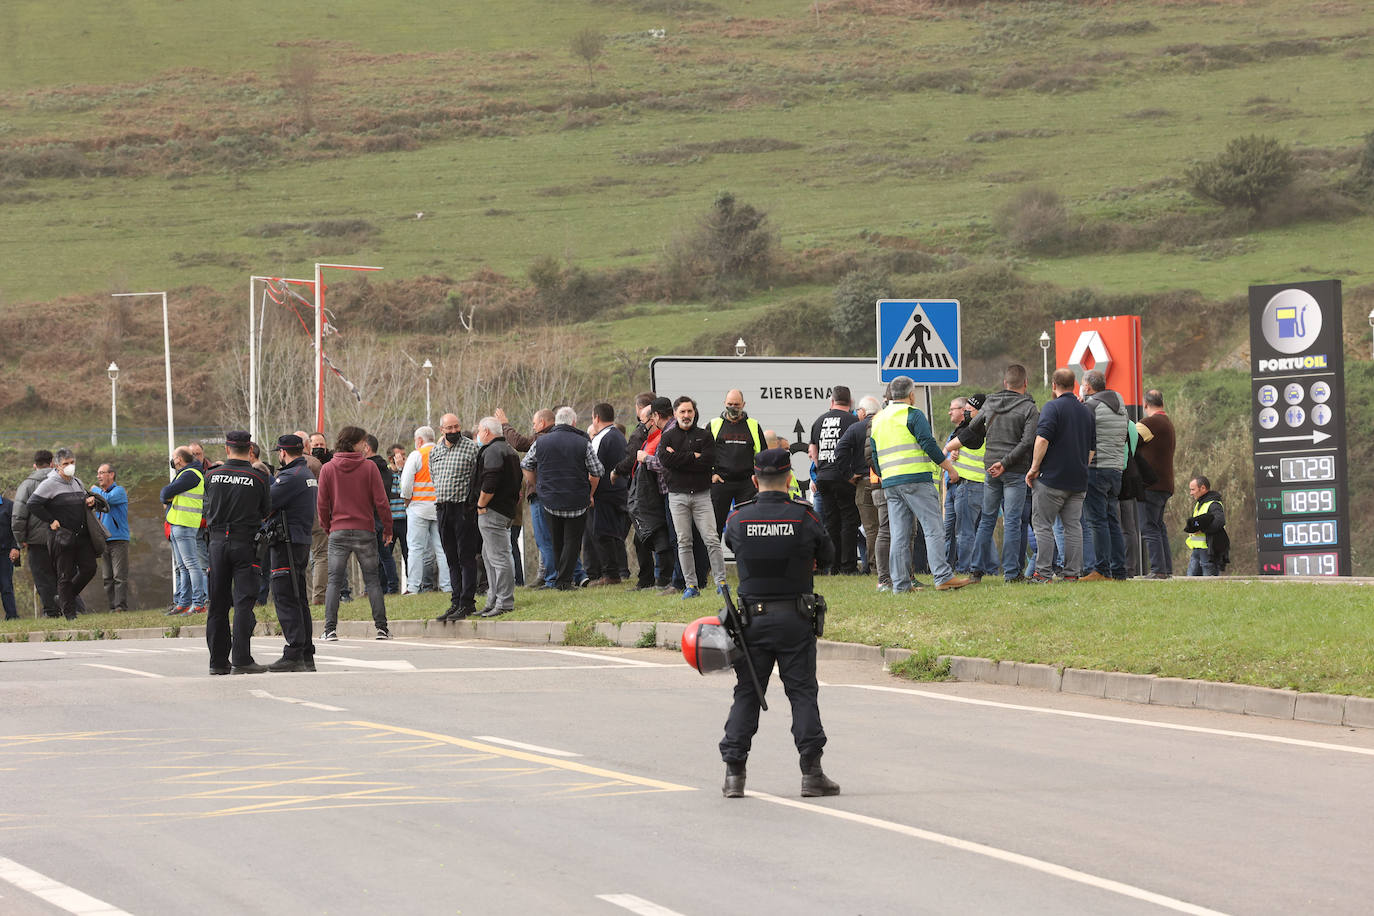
column 1072, row 433
column 293, row 492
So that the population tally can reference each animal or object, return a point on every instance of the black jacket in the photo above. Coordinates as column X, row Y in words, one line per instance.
column 293, row 492
column 677, row 452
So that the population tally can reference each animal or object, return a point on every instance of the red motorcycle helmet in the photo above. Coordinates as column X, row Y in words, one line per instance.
column 708, row 647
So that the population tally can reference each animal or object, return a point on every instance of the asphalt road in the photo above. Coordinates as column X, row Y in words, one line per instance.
column 465, row 778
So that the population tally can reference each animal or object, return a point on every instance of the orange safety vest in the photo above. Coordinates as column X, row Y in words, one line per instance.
column 423, row 491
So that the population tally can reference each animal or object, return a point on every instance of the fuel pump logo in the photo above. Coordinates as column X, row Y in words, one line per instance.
column 1292, row 321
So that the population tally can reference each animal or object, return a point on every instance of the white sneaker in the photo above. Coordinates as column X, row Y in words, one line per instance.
column 330, row 636
column 383, row 633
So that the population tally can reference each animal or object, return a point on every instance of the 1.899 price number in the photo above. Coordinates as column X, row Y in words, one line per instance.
column 1307, row 502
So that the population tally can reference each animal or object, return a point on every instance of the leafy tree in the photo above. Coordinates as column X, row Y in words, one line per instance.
column 588, row 44
column 736, row 240
column 1251, row 172
column 854, row 316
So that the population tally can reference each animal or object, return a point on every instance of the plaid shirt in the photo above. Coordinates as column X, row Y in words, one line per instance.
column 452, row 468
column 594, row 469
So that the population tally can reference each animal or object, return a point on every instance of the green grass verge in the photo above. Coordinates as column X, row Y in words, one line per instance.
column 1271, row 634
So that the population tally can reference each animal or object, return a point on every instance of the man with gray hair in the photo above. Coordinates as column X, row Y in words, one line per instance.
column 905, row 456
column 1101, row 518
column 562, row 468
column 496, row 495
column 422, row 526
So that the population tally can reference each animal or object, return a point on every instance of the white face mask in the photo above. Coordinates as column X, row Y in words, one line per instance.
column 69, row 470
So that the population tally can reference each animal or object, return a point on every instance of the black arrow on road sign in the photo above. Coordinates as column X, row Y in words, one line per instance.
column 799, row 430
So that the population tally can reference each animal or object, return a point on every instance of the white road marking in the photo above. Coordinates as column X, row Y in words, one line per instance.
column 1124, row 720
column 637, row 905
column 538, row 749
column 59, row 895
column 992, row 852
column 622, row 662
column 381, row 665
column 263, row 694
column 124, row 670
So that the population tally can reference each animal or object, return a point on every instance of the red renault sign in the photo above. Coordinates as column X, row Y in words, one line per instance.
column 1111, row 345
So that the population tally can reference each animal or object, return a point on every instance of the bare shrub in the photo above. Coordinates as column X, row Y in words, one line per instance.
column 1035, row 220
column 1096, row 30
column 300, row 76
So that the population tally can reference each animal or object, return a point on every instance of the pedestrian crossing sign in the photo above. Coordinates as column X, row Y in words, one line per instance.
column 919, row 338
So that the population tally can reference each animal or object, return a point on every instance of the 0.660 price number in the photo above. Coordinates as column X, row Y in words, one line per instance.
column 1304, row 534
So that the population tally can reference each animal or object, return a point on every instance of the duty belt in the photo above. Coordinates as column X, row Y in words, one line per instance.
column 775, row 605
column 235, row 532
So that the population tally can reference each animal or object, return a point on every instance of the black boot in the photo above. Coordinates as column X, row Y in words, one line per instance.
column 734, row 780
column 814, row 781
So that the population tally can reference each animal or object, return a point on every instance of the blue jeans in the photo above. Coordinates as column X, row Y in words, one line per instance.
column 1200, row 563
column 907, row 504
column 1153, row 532
column 951, row 517
column 190, row 583
column 1102, row 524
column 425, row 548
column 7, row 587
column 543, row 539
column 968, row 509
column 1007, row 493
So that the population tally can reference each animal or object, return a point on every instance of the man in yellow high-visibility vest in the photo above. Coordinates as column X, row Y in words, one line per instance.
column 906, row 455
column 185, row 499
column 964, row 500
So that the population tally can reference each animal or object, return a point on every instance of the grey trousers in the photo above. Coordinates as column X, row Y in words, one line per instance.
column 496, row 556
column 868, row 515
column 115, row 565
column 1047, row 504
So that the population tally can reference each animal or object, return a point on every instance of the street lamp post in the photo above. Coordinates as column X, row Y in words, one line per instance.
column 114, row 422
column 429, row 373
column 166, row 367
column 1045, row 356
column 739, row 347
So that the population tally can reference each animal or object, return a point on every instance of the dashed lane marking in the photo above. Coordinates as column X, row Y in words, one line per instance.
column 123, row 670
column 637, row 905
column 1002, row 855
column 525, row 747
column 263, row 694
column 59, row 895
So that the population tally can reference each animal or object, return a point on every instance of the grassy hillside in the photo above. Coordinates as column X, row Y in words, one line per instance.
column 467, row 150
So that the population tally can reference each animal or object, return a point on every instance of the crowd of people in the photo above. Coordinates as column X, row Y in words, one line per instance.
column 1084, row 483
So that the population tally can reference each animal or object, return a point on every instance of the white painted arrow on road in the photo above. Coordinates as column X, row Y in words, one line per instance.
column 360, row 663
column 1313, row 437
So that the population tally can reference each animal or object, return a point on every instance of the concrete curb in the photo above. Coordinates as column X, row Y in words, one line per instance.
column 1184, row 693
column 1240, row 699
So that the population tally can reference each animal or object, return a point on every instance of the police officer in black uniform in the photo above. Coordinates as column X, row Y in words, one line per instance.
column 237, row 499
column 293, row 498
column 777, row 544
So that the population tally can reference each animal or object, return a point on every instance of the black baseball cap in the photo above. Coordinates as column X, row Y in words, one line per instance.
column 238, row 438
column 290, row 441
column 772, row 461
